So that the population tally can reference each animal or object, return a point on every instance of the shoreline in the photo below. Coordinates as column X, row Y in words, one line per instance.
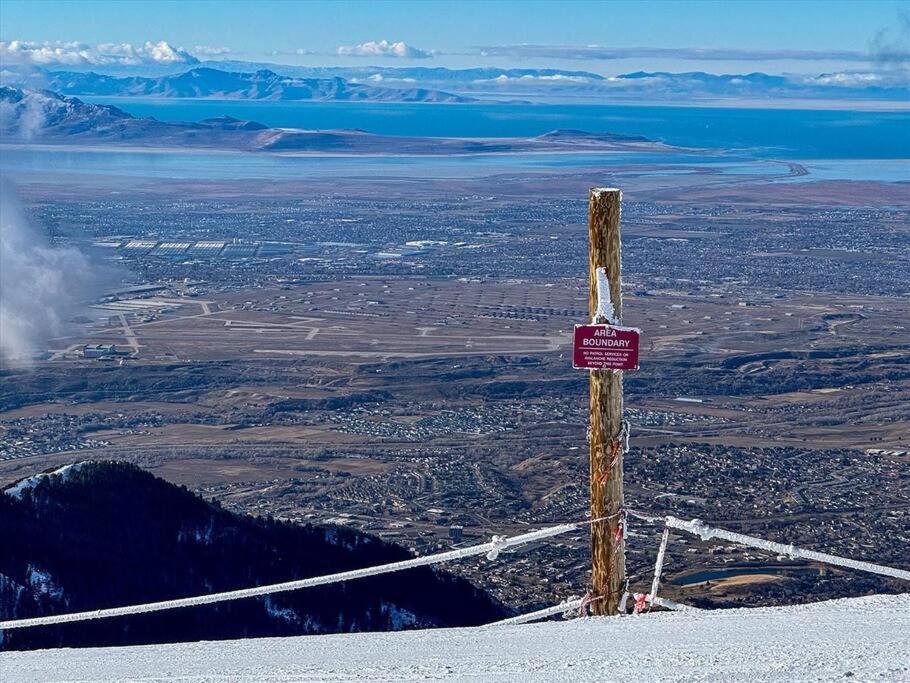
column 183, row 149
column 875, row 106
column 718, row 153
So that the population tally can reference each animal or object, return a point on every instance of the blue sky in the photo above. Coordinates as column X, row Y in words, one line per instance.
column 733, row 36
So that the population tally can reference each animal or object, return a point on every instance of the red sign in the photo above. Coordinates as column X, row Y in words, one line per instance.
column 605, row 347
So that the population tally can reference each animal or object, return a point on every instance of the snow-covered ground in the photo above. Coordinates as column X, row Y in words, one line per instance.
column 17, row 490
column 858, row 639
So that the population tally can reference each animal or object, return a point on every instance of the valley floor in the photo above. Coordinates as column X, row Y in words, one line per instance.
column 859, row 638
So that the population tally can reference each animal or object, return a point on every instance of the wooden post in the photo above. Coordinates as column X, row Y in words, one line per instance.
column 608, row 563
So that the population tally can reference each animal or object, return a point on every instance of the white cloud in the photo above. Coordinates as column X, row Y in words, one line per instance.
column 72, row 53
column 379, row 78
column 299, row 52
column 856, row 79
column 384, row 48
column 503, row 79
column 209, row 51
column 561, row 78
column 45, row 53
column 848, row 79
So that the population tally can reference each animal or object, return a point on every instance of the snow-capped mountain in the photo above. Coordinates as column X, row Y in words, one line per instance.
column 260, row 85
column 267, row 81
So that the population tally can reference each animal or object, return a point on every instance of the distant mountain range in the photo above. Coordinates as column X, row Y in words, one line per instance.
column 409, row 74
column 51, row 118
column 106, row 534
column 260, row 85
column 266, row 81
column 355, row 74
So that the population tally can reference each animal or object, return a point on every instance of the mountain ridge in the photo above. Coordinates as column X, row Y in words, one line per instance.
column 208, row 83
column 106, row 533
column 484, row 84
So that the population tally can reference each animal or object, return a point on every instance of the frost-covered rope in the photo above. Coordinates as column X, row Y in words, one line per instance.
column 642, row 600
column 644, row 517
column 568, row 606
column 572, row 605
column 493, row 548
column 699, row 528
column 659, row 565
column 673, row 605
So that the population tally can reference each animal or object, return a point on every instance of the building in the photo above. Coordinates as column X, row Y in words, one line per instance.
column 98, row 350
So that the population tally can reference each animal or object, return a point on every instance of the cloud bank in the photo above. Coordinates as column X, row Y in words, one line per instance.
column 503, row 79
column 74, row 53
column 384, row 48
column 597, row 52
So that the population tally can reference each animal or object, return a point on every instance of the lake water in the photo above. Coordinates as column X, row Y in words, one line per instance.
column 830, row 144
column 783, row 133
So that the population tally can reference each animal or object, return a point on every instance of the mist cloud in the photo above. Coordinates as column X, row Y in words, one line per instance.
column 891, row 46
column 41, row 285
column 21, row 119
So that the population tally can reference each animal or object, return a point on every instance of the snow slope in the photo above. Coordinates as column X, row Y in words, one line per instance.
column 29, row 483
column 861, row 639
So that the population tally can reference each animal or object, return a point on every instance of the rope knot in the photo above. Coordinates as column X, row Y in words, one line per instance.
column 618, row 446
column 585, row 601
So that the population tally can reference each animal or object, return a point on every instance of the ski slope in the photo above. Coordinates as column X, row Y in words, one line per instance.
column 861, row 639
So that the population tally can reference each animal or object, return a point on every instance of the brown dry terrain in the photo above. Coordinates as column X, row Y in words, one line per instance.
column 409, row 394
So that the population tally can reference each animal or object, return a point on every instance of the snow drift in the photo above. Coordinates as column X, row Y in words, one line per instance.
column 858, row 638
